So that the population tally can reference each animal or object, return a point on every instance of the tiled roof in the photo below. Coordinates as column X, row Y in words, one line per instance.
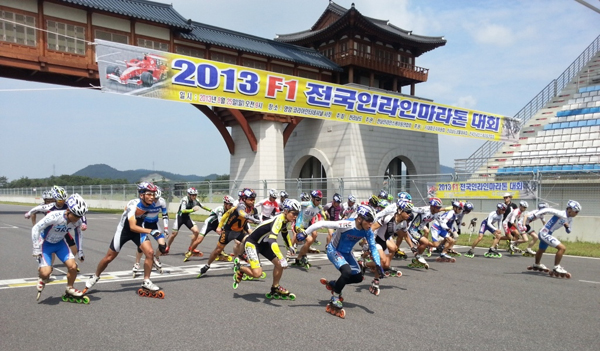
column 141, row 9
column 239, row 41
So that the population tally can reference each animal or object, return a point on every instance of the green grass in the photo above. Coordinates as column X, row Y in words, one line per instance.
column 574, row 248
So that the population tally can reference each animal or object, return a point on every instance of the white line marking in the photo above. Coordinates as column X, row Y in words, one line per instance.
column 60, row 270
column 589, row 281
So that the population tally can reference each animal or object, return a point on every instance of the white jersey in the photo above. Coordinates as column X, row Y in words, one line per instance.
column 162, row 205
column 492, row 218
column 268, row 207
column 349, row 211
column 533, row 215
column 383, row 229
column 514, row 217
column 218, row 212
column 53, row 229
column 558, row 220
column 43, row 208
column 390, row 209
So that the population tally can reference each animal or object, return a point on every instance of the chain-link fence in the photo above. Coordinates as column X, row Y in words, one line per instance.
column 555, row 189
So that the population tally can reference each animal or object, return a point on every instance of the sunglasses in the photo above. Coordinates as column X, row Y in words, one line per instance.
column 317, row 199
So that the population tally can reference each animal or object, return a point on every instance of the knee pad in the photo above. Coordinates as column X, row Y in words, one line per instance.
column 162, row 248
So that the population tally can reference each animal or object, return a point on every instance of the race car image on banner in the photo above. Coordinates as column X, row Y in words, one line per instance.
column 142, row 71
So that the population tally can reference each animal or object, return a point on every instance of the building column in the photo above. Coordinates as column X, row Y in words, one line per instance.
column 412, row 89
column 247, row 166
column 372, row 80
column 395, row 84
column 350, row 74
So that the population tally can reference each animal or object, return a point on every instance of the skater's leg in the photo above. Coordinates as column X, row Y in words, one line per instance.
column 195, row 234
column 196, row 242
column 538, row 255
column 146, row 248
column 479, row 237
column 44, row 272
column 172, row 237
column 277, row 271
column 346, row 273
column 559, row 254
column 138, row 256
column 71, row 271
column 497, row 235
column 108, row 258
column 304, row 250
column 215, row 253
column 534, row 239
column 329, row 235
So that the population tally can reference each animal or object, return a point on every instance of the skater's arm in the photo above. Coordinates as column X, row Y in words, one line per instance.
column 78, row 237
column 225, row 218
column 134, row 227
column 36, row 234
column 328, row 225
column 373, row 247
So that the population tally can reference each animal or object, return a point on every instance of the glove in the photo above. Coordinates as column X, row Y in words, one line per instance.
column 166, row 230
column 27, row 215
column 300, row 236
column 155, row 232
column 283, row 262
column 37, row 254
column 292, row 250
column 380, row 271
column 568, row 230
column 413, row 249
column 81, row 256
column 196, row 208
column 83, row 227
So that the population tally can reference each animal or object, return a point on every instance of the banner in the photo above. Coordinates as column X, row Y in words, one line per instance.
column 139, row 71
column 483, row 190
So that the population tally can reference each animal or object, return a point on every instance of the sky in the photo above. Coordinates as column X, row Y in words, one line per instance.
column 498, row 56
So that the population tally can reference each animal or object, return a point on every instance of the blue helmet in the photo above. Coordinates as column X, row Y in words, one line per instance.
column 468, row 207
column 366, row 212
column 574, row 205
column 337, row 197
column 351, row 198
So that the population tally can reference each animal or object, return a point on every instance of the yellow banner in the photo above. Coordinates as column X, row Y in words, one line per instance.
column 139, row 71
column 482, row 190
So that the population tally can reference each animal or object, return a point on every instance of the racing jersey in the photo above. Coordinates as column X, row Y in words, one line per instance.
column 162, row 205
column 346, row 236
column 237, row 218
column 421, row 216
column 458, row 218
column 386, row 229
column 333, row 213
column 268, row 207
column 270, row 229
column 533, row 215
column 53, row 229
column 446, row 219
column 558, row 220
column 47, row 208
column 217, row 213
column 349, row 211
column 142, row 213
column 492, row 218
column 307, row 213
column 186, row 206
column 390, row 209
column 513, row 218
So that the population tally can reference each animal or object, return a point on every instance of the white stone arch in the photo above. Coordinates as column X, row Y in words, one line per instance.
column 303, row 155
column 401, row 153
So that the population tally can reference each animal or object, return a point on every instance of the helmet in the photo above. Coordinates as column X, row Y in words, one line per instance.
column 404, row 195
column 283, row 194
column 58, row 193
column 337, row 197
column 434, row 201
column 383, row 203
column 351, row 198
column 374, row 201
column 501, row 206
column 158, row 193
column 574, row 205
column 146, row 186
column 468, row 207
column 507, row 195
column 228, row 199
column 47, row 195
column 316, row 194
column 192, row 191
column 523, row 203
column 383, row 194
column 405, row 206
column 542, row 205
column 240, row 194
column 304, row 197
column 291, row 205
column 248, row 193
column 457, row 204
column 366, row 212
column 77, row 205
column 273, row 193
column 390, row 198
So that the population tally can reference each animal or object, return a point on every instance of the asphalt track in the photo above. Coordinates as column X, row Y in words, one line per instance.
column 473, row 304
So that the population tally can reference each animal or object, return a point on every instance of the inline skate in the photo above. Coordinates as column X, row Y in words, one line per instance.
column 90, row 283
column 392, row 272
column 470, row 253
column 335, row 307
column 203, row 270
column 156, row 264
column 237, row 273
column 453, row 253
column 374, row 288
column 135, row 269
column 263, row 275
column 224, row 257
column 445, row 258
column 559, row 271
column 400, row 254
column 492, row 253
column 74, row 295
column 302, row 262
column 279, row 292
column 539, row 268
column 149, row 289
column 418, row 263
column 40, row 287
column 529, row 253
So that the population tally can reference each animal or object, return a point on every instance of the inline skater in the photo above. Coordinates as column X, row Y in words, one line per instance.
column 234, row 227
column 130, row 228
column 530, row 217
column 211, row 223
column 269, row 206
column 509, row 207
column 514, row 224
column 188, row 205
column 263, row 240
column 442, row 236
column 333, row 212
column 349, row 207
column 339, row 252
column 467, row 208
column 47, row 197
column 488, row 225
column 48, row 236
column 558, row 220
column 151, row 222
column 282, row 196
column 310, row 209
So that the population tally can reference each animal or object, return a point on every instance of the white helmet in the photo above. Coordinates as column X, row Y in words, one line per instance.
column 192, row 191
column 351, row 198
column 523, row 203
column 158, row 192
column 283, row 194
column 58, row 193
column 574, row 205
column 291, row 205
column 228, row 200
column 46, row 195
column 273, row 193
column 77, row 205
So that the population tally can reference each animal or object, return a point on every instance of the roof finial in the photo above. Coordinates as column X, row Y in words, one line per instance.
column 352, row 5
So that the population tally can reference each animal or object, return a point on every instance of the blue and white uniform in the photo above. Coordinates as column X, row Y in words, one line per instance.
column 47, row 208
column 307, row 213
column 142, row 213
column 345, row 237
column 558, row 220
column 48, row 236
column 440, row 226
column 488, row 223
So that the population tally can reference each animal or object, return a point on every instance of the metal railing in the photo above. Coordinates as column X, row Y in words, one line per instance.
column 490, row 148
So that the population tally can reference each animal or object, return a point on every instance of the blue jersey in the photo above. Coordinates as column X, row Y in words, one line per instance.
column 346, row 236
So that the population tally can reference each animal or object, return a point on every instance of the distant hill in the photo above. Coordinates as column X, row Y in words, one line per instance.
column 446, row 169
column 106, row 171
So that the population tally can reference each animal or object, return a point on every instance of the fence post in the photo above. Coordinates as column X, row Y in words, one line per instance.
column 210, row 191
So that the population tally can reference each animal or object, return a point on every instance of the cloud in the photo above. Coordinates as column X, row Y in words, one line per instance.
column 467, row 101
column 492, row 34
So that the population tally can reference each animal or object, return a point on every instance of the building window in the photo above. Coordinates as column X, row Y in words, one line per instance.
column 152, row 44
column 188, row 51
column 109, row 36
column 328, row 52
column 14, row 33
column 217, row 56
column 66, row 37
column 308, row 74
column 362, row 50
column 282, row 69
column 254, row 64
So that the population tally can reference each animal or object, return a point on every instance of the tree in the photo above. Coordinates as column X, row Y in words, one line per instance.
column 3, row 182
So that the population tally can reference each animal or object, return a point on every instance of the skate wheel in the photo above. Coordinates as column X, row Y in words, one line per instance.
column 160, row 294
column 38, row 295
column 72, row 299
column 292, row 297
column 568, row 275
column 140, row 292
column 65, row 298
column 235, row 285
column 453, row 260
column 263, row 275
column 269, row 296
column 86, row 300
column 328, row 308
column 529, row 268
column 387, row 273
column 398, row 274
column 245, row 277
column 342, row 313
